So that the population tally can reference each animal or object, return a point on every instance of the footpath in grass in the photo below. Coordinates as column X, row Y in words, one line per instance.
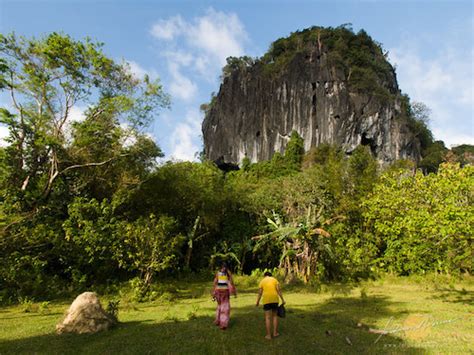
column 393, row 315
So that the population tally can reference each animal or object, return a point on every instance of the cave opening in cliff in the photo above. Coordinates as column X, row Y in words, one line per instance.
column 370, row 142
column 257, row 134
column 225, row 167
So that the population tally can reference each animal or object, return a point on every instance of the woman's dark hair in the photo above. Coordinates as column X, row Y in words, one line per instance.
column 267, row 273
column 226, row 268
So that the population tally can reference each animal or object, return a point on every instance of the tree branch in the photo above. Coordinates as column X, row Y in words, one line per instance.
column 78, row 166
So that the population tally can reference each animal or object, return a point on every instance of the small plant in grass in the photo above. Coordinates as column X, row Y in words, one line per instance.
column 44, row 307
column 113, row 309
column 193, row 313
column 167, row 297
column 27, row 304
column 139, row 289
column 171, row 317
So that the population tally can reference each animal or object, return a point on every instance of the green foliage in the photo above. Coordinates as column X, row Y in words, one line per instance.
column 91, row 231
column 416, row 116
column 423, row 223
column 280, row 165
column 206, row 107
column 223, row 253
column 300, row 245
column 27, row 304
column 46, row 79
column 245, row 166
column 147, row 245
column 236, row 63
column 434, row 155
column 112, row 309
column 88, row 207
column 357, row 56
column 294, row 150
column 150, row 245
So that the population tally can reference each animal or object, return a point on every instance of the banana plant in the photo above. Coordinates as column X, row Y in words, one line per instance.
column 301, row 243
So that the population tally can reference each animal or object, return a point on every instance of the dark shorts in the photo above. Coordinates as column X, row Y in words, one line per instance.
column 270, row 306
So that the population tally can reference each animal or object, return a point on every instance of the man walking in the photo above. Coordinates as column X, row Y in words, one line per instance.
column 269, row 287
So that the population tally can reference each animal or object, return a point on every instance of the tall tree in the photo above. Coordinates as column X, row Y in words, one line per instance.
column 46, row 79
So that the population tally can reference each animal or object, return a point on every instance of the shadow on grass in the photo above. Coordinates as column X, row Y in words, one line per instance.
column 31, row 315
column 454, row 296
column 326, row 328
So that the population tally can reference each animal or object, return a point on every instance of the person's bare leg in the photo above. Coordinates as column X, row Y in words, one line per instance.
column 275, row 323
column 268, row 319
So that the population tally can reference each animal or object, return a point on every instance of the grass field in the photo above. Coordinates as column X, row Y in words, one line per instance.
column 435, row 316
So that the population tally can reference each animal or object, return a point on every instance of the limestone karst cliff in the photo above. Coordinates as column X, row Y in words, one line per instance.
column 330, row 85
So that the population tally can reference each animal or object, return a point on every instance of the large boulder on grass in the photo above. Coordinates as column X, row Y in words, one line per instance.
column 85, row 315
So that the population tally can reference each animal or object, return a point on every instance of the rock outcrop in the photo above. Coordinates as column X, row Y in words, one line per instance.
column 314, row 92
column 85, row 315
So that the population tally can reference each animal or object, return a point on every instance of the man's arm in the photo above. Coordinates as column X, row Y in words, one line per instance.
column 280, row 294
column 260, row 291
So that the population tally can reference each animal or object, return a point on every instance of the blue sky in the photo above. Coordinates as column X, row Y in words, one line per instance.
column 185, row 43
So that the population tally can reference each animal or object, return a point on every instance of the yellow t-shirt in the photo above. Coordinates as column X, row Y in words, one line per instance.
column 269, row 286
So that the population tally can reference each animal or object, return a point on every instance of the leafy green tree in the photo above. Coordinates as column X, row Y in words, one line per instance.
column 362, row 170
column 294, row 150
column 49, row 238
column 423, row 223
column 45, row 79
column 236, row 63
column 434, row 155
column 416, row 115
column 93, row 242
column 150, row 245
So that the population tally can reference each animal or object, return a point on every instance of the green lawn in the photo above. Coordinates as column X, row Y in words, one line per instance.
column 439, row 314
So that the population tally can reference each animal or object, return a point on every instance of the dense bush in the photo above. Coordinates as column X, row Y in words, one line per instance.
column 422, row 223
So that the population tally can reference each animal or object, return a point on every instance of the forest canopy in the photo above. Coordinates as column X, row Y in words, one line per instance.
column 84, row 203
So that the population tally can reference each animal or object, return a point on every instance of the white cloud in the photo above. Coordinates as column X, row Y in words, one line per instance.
column 139, row 72
column 201, row 44
column 453, row 136
column 76, row 114
column 168, row 29
column 218, row 34
column 444, row 82
column 194, row 51
column 181, row 87
column 194, row 119
column 129, row 138
column 183, row 147
column 185, row 137
column 4, row 133
column 179, row 57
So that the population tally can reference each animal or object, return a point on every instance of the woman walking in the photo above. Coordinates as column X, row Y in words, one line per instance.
column 269, row 288
column 223, row 288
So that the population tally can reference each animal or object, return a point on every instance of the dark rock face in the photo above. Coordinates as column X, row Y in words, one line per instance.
column 254, row 113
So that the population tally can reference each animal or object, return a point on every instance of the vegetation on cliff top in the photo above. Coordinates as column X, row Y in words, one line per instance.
column 356, row 56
